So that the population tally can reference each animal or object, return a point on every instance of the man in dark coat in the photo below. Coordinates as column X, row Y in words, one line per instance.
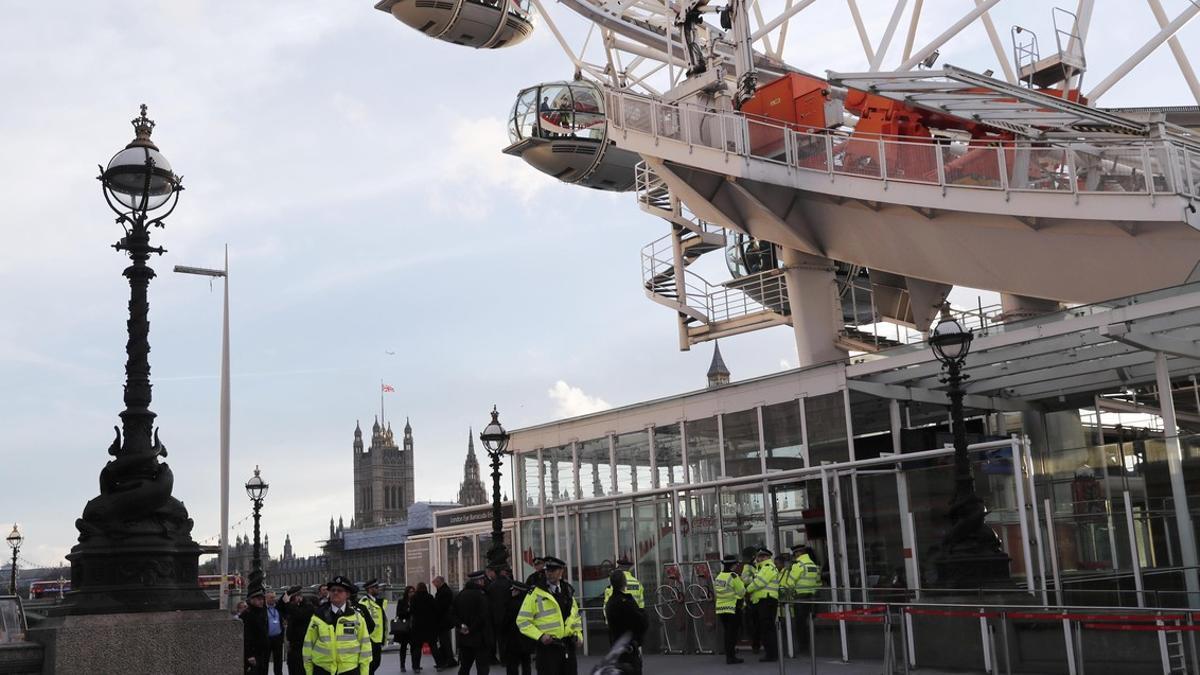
column 517, row 650
column 473, row 618
column 256, row 644
column 625, row 617
column 538, row 576
column 297, row 612
column 498, row 594
column 444, row 598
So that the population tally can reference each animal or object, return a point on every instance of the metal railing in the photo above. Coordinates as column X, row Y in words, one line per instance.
column 1135, row 166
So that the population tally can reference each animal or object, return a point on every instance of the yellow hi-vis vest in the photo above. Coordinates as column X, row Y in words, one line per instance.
column 338, row 646
column 765, row 583
column 378, row 611
column 540, row 615
column 803, row 577
column 632, row 587
column 729, row 589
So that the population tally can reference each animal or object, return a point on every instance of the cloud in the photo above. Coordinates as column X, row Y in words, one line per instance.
column 573, row 402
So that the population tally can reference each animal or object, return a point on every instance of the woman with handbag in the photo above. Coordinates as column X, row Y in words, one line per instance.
column 402, row 625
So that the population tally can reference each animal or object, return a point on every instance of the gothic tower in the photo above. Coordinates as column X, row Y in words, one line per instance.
column 383, row 477
column 718, row 374
column 471, row 491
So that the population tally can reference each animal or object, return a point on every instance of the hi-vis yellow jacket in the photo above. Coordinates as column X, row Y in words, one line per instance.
column 540, row 615
column 337, row 644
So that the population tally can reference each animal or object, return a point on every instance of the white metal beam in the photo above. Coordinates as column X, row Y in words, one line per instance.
column 997, row 46
column 947, row 34
column 783, row 17
column 886, row 40
column 1150, row 342
column 1185, row 66
column 899, row 393
column 1153, row 43
column 862, row 32
column 912, row 28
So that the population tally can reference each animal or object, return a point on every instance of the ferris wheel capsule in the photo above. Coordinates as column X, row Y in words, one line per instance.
column 483, row 24
column 559, row 128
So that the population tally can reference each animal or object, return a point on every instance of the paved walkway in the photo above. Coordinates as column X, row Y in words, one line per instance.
column 699, row 665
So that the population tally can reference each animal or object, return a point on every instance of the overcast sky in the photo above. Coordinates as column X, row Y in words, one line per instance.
column 353, row 166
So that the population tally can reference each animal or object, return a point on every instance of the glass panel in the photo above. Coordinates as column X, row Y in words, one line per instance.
column 783, row 436
column 1039, row 169
column 595, row 468
column 698, row 525
column 799, row 516
column 870, row 421
column 883, row 549
column 531, row 482
column 1110, row 169
column 588, row 119
column 826, row 419
column 743, row 520
column 669, row 123
column 767, row 139
column 971, row 166
column 558, row 468
column 668, row 456
column 531, row 547
column 742, row 457
column 633, row 461
column 703, row 449
column 596, row 540
column 555, row 111
column 521, row 124
column 811, row 151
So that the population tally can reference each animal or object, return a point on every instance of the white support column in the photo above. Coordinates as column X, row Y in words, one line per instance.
column 812, row 297
column 1183, row 517
column 908, row 538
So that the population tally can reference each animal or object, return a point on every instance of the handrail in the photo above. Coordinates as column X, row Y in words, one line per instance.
column 1134, row 166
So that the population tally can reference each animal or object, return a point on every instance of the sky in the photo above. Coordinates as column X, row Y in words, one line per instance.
column 375, row 233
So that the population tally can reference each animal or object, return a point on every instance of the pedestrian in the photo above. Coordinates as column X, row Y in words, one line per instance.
column 729, row 589
column 498, row 592
column 801, row 582
column 763, row 591
column 473, row 617
column 322, row 594
column 550, row 616
column 274, row 635
column 255, row 643
column 402, row 625
column 375, row 608
column 425, row 625
column 238, row 609
column 625, row 618
column 444, row 597
column 297, row 612
column 517, row 648
column 538, row 575
column 337, row 641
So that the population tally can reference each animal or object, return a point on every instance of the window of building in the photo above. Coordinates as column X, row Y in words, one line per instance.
column 698, row 525
column 531, row 482
column 632, row 452
column 668, row 456
column 531, row 547
column 783, row 436
column 595, row 468
column 742, row 456
column 826, row 419
column 703, row 450
column 743, row 519
column 559, row 470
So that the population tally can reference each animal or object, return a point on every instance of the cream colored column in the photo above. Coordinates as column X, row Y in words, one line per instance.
column 816, row 313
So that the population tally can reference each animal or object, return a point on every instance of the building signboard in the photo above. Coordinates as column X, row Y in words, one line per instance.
column 417, row 564
column 480, row 515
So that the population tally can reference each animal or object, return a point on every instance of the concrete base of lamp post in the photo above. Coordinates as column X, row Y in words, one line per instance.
column 198, row 641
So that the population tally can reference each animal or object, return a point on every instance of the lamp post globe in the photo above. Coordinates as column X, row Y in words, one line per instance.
column 495, row 441
column 14, row 540
column 256, row 489
column 950, row 341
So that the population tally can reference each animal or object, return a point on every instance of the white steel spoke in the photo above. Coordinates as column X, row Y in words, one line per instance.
column 1009, row 74
column 1185, row 66
column 766, row 39
column 862, row 31
column 912, row 28
column 887, row 34
column 1140, row 55
column 947, row 34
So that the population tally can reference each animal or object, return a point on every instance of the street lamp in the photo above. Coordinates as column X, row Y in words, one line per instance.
column 256, row 488
column 224, row 422
column 135, row 550
column 14, row 540
column 495, row 442
column 971, row 551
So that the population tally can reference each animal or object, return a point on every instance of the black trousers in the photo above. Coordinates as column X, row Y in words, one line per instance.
column 445, row 651
column 731, row 625
column 766, row 613
column 276, row 654
column 295, row 658
column 556, row 659
column 751, row 624
column 416, row 652
column 481, row 658
column 403, row 642
column 376, row 656
column 800, row 623
column 519, row 664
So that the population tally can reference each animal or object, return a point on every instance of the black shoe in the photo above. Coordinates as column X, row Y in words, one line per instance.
column 734, row 659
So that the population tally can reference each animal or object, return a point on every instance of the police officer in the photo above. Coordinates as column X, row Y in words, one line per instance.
column 473, row 617
column 802, row 579
column 550, row 616
column 539, row 572
column 632, row 586
column 729, row 590
column 763, row 591
column 750, row 617
column 337, row 641
column 375, row 608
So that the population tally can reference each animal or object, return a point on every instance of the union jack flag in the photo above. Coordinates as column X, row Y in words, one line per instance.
column 388, row 389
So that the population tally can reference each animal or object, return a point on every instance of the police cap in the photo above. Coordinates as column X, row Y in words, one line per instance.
column 554, row 563
column 342, row 582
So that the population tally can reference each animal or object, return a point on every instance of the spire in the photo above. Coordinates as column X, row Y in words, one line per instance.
column 357, row 429
column 718, row 374
column 470, row 442
column 376, row 428
column 407, row 427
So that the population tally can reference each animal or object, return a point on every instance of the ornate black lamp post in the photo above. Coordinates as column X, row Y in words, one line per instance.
column 14, row 540
column 495, row 441
column 135, row 550
column 256, row 488
column 971, row 552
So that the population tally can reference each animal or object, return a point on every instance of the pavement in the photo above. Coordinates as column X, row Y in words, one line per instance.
column 655, row 664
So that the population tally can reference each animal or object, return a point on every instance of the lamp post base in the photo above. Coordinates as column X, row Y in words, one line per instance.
column 970, row 569
column 133, row 577
column 497, row 556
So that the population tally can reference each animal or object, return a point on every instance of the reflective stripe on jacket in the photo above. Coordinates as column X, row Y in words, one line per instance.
column 729, row 589
column 337, row 645
column 376, row 609
column 541, row 615
column 765, row 583
column 803, row 576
